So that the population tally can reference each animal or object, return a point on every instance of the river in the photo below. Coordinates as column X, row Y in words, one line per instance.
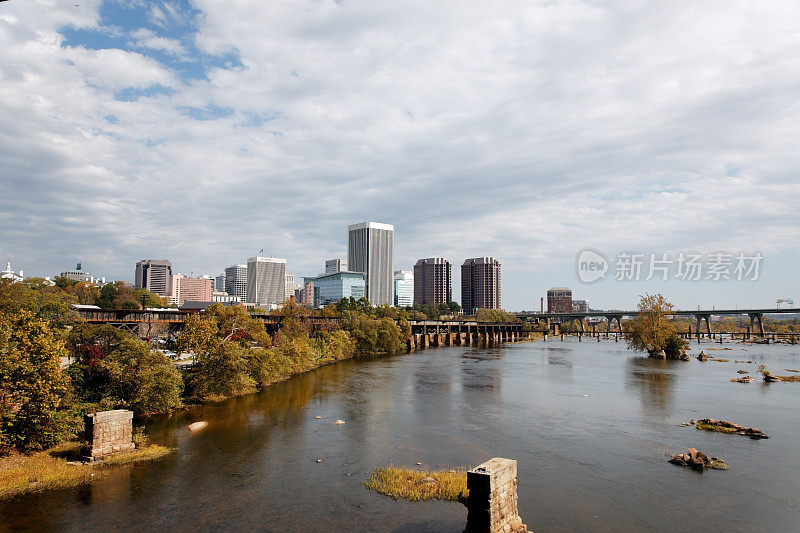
column 588, row 422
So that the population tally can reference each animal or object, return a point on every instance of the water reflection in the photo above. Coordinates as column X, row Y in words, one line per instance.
column 654, row 380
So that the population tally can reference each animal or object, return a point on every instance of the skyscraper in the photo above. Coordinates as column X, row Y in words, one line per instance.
column 154, row 275
column 480, row 284
column 433, row 281
column 219, row 283
column 266, row 281
column 403, row 288
column 370, row 250
column 335, row 265
column 236, row 281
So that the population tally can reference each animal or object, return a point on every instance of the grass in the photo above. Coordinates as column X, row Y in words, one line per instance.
column 51, row 469
column 415, row 485
column 150, row 453
column 21, row 474
column 712, row 427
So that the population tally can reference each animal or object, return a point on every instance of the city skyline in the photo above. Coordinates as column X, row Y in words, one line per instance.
column 515, row 146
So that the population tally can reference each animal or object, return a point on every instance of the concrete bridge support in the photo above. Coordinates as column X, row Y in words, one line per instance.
column 610, row 320
column 708, row 325
column 492, row 505
column 756, row 317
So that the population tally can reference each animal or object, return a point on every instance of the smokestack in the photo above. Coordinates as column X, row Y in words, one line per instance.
column 541, row 304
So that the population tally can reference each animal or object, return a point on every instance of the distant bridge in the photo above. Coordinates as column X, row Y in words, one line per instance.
column 700, row 315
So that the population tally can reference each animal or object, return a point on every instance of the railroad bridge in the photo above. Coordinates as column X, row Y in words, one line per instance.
column 149, row 323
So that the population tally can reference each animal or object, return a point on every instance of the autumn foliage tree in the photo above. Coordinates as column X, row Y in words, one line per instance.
column 32, row 386
column 652, row 330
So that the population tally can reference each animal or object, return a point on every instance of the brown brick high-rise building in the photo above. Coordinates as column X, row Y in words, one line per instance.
column 559, row 300
column 433, row 281
column 480, row 284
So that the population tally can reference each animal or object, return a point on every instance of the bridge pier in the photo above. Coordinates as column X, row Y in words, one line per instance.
column 756, row 317
column 698, row 318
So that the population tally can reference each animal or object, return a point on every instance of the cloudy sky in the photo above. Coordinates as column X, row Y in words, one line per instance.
column 202, row 131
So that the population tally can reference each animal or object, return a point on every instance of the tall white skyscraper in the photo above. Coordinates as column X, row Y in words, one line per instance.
column 370, row 250
column 266, row 281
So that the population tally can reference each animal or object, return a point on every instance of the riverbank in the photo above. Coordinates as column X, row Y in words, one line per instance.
column 60, row 467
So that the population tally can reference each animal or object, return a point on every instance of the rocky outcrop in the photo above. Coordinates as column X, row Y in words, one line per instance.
column 723, row 426
column 698, row 460
column 702, row 356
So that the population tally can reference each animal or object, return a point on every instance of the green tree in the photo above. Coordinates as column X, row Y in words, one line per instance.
column 494, row 315
column 114, row 369
column 38, row 297
column 373, row 336
column 32, row 386
column 222, row 372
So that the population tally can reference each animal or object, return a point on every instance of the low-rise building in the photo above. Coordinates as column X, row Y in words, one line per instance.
column 225, row 298
column 580, row 306
column 10, row 274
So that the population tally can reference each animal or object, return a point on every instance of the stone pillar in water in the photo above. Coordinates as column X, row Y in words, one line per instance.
column 492, row 506
column 108, row 432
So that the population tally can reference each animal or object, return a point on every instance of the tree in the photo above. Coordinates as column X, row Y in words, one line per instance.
column 224, row 341
column 115, row 369
column 651, row 330
column 222, row 372
column 38, row 297
column 494, row 315
column 32, row 386
column 373, row 336
column 85, row 293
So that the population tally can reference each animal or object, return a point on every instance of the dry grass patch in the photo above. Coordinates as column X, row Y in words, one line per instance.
column 21, row 474
column 51, row 469
column 151, row 452
column 416, row 485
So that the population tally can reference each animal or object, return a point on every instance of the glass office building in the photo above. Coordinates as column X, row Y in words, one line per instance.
column 331, row 288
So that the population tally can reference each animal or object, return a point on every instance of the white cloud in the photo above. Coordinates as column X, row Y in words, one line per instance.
column 519, row 130
column 144, row 38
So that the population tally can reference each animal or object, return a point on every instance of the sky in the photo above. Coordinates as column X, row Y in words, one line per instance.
column 202, row 131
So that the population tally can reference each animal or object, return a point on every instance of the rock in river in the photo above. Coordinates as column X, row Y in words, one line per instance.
column 723, row 426
column 698, row 460
column 197, row 426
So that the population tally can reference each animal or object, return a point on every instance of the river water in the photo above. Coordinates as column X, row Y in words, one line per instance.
column 588, row 422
